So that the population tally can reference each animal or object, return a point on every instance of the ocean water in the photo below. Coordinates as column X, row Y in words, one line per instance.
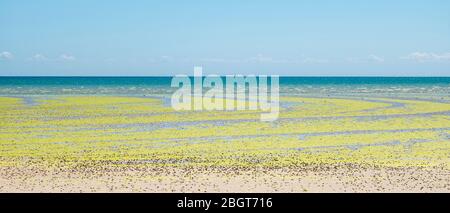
column 292, row 86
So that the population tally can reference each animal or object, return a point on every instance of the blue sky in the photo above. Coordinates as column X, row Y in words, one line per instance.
column 316, row 37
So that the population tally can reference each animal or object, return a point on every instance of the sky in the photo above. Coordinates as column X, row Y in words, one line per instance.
column 167, row 37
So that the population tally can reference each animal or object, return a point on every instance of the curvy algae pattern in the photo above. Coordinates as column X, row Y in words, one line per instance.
column 368, row 140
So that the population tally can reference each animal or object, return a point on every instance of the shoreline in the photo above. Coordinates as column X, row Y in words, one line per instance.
column 312, row 178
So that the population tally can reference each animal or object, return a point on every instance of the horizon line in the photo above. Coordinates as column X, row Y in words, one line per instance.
column 168, row 76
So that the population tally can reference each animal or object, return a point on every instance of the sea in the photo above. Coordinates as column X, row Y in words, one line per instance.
column 424, row 87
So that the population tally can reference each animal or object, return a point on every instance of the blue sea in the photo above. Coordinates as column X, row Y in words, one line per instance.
column 411, row 86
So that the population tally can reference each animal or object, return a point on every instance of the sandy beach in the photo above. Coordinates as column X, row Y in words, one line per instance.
column 304, row 179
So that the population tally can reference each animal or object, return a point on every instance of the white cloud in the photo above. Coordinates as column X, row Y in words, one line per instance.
column 260, row 58
column 38, row 57
column 368, row 59
column 256, row 59
column 428, row 56
column 66, row 57
column 220, row 60
column 5, row 55
column 376, row 58
column 305, row 60
column 165, row 58
column 314, row 61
